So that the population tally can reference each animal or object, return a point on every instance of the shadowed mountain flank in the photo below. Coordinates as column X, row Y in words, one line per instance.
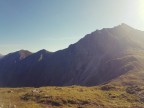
column 100, row 57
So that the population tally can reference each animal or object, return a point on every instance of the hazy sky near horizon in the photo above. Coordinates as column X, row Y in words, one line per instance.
column 55, row 24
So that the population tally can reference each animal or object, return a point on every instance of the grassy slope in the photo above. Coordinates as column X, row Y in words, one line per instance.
column 135, row 76
column 106, row 96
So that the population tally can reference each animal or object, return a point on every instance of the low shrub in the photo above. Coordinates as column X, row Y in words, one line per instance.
column 107, row 87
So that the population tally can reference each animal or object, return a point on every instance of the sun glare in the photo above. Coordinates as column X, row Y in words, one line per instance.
column 141, row 9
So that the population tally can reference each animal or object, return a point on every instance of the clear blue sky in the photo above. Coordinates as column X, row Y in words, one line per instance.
column 54, row 24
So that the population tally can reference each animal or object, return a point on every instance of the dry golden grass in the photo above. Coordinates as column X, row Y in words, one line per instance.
column 105, row 96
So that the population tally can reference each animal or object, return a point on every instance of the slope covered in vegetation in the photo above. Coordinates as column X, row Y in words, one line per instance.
column 104, row 96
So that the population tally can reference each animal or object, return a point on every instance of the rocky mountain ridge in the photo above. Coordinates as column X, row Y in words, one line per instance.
column 97, row 58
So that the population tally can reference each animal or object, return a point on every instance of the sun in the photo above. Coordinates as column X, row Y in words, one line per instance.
column 141, row 9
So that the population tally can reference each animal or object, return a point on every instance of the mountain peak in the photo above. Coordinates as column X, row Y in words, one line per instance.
column 23, row 54
column 124, row 26
column 43, row 51
column 23, row 51
column 19, row 55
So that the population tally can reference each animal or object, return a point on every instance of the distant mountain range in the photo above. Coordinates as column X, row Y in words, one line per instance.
column 113, row 55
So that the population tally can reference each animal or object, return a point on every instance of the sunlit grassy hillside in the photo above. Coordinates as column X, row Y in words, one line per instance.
column 105, row 96
column 135, row 76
